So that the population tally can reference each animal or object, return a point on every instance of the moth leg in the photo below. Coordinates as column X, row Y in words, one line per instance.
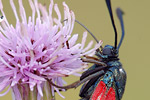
column 77, row 83
column 94, row 61
column 90, row 57
column 73, row 85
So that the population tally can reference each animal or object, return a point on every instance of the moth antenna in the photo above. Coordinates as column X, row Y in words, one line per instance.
column 120, row 17
column 112, row 20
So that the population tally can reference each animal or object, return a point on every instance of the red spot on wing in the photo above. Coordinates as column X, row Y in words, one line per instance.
column 110, row 94
column 100, row 92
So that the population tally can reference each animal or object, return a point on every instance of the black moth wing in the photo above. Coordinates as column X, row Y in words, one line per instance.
column 88, row 87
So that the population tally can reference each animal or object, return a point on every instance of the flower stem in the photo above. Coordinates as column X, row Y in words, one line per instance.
column 27, row 94
column 48, row 92
column 34, row 94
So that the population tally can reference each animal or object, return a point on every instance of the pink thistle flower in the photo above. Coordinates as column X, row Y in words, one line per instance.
column 39, row 48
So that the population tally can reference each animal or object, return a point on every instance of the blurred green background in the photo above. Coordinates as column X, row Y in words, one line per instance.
column 135, row 50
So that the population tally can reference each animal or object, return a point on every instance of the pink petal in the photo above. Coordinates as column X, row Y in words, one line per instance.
column 34, row 76
column 16, row 92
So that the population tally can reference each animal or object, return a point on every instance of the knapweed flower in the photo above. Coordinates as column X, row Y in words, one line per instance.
column 38, row 49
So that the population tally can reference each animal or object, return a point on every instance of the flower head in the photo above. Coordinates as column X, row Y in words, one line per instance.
column 39, row 48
